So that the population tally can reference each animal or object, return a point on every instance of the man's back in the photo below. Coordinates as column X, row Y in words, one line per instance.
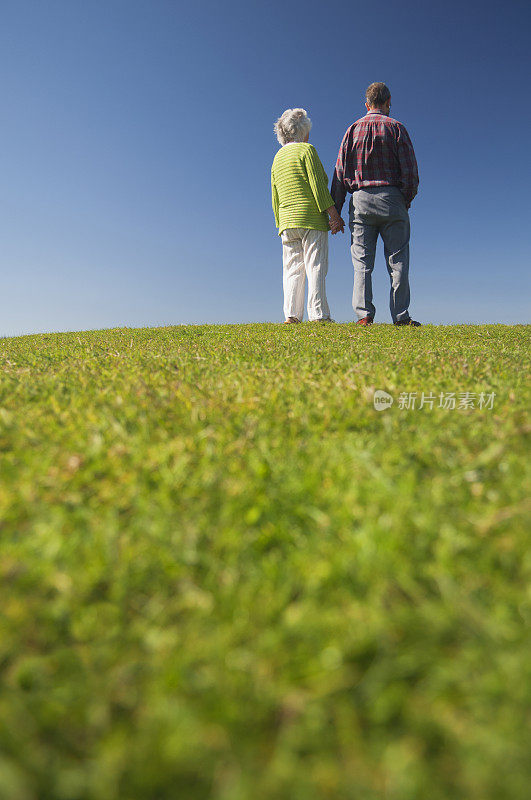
column 376, row 151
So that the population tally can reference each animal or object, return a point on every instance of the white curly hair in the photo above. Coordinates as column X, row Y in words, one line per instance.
column 292, row 126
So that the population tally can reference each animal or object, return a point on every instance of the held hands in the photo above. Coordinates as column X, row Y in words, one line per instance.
column 336, row 227
column 336, row 222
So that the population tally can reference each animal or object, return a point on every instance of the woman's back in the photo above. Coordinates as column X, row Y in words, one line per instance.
column 301, row 185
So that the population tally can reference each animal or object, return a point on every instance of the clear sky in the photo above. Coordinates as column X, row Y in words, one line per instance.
column 137, row 140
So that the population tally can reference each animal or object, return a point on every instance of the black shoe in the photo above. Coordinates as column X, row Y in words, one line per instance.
column 412, row 322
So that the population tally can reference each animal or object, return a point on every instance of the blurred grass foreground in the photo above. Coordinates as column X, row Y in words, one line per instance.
column 225, row 574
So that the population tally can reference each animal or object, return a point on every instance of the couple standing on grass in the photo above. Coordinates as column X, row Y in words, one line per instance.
column 377, row 163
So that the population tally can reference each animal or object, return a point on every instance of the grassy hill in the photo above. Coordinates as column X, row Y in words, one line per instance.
column 226, row 575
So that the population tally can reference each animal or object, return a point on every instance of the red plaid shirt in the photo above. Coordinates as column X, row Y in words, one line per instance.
column 375, row 151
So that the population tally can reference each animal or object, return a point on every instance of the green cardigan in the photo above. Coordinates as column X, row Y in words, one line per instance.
column 299, row 188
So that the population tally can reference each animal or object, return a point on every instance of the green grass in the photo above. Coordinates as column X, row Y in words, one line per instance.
column 225, row 575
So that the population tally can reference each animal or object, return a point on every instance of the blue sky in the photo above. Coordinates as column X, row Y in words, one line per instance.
column 137, row 143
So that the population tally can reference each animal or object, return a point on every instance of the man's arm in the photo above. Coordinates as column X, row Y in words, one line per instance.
column 338, row 190
column 409, row 175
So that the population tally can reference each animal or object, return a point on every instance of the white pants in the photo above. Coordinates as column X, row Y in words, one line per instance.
column 305, row 251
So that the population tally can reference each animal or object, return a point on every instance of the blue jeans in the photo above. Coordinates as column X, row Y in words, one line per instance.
column 380, row 210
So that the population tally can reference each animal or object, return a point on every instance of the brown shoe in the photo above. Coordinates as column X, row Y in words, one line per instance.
column 291, row 321
column 412, row 322
column 364, row 321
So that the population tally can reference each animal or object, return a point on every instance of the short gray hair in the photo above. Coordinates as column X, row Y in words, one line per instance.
column 377, row 95
column 293, row 125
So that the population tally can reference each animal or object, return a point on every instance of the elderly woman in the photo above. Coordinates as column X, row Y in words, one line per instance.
column 302, row 206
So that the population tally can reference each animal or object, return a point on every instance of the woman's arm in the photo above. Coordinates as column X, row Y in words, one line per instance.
column 319, row 186
column 274, row 199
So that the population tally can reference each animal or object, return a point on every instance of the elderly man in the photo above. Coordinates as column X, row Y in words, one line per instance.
column 376, row 162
